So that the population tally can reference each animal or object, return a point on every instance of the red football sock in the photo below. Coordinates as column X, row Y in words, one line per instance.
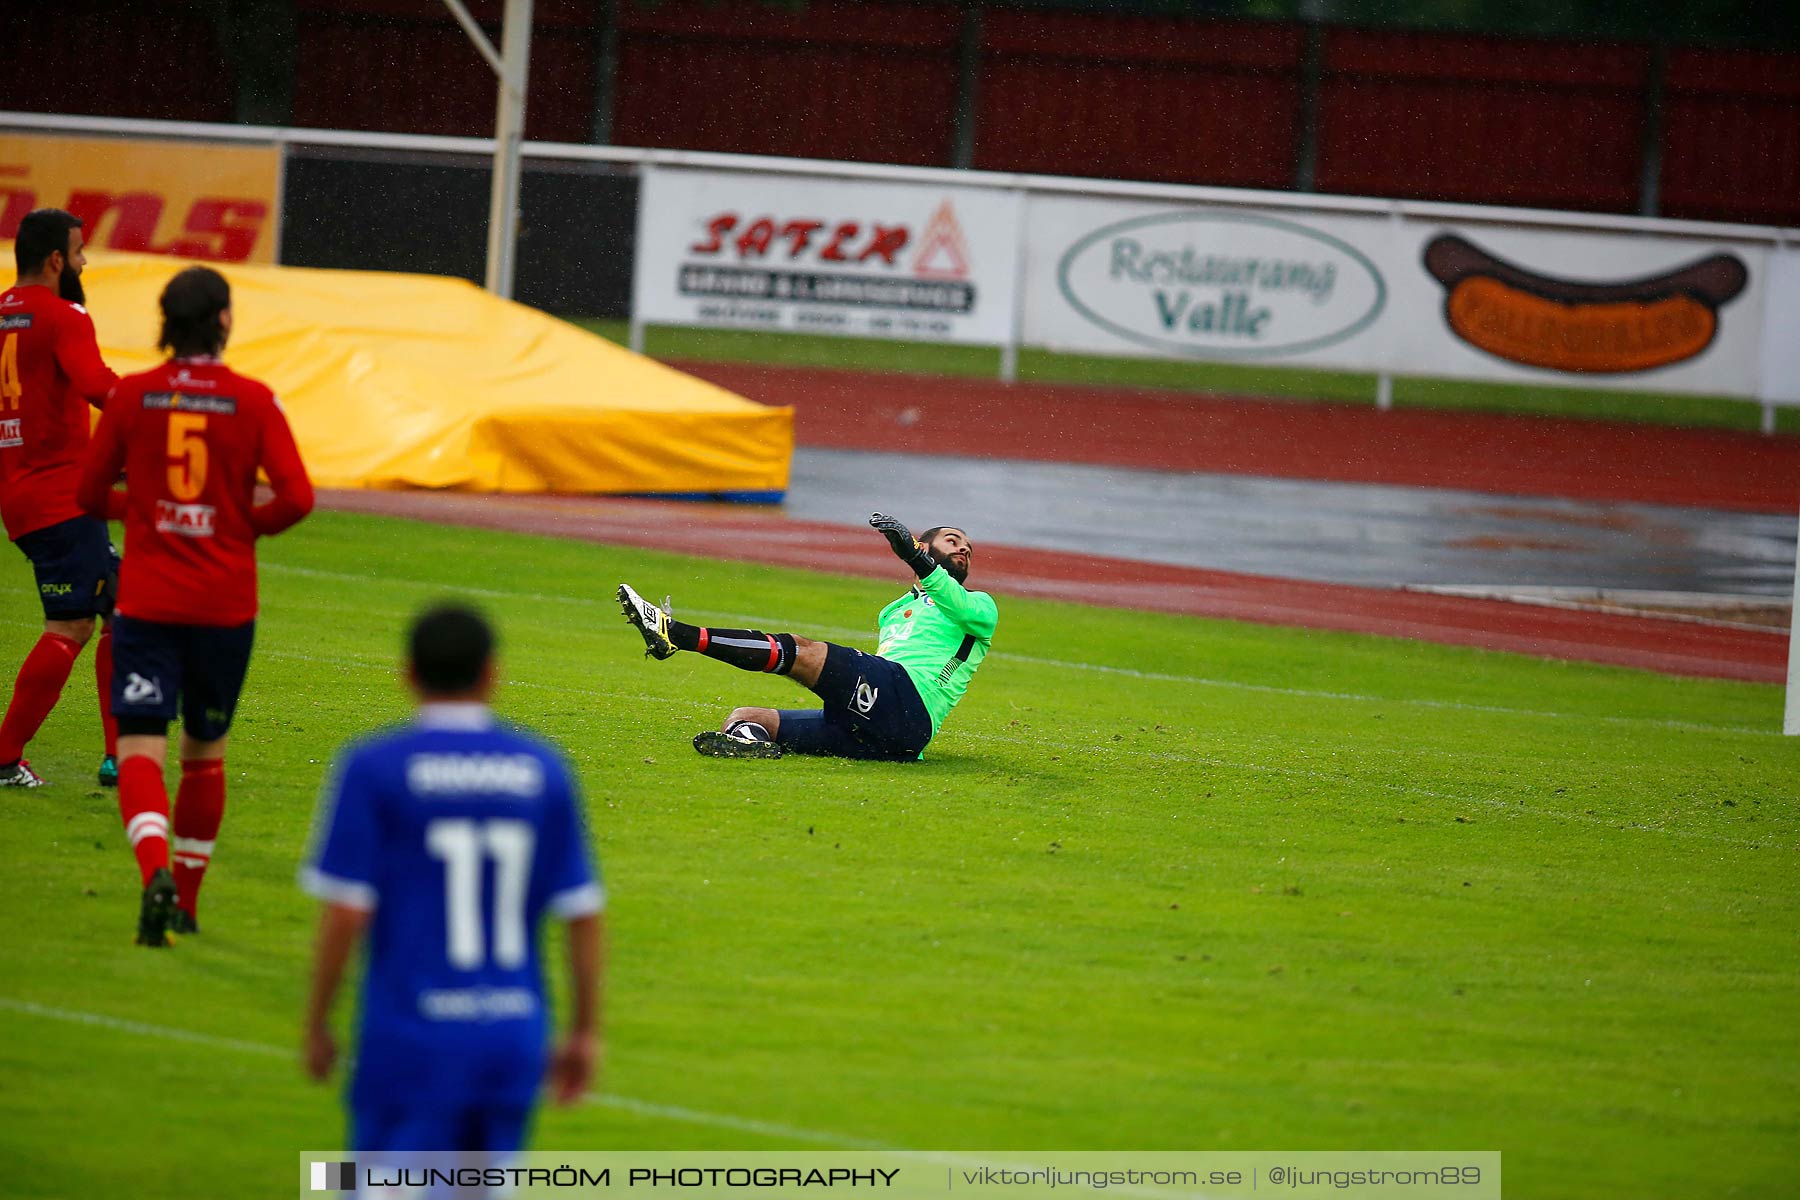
column 199, row 807
column 109, row 725
column 144, row 807
column 35, row 693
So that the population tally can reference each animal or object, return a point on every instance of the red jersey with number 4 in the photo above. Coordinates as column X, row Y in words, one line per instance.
column 190, row 436
column 50, row 371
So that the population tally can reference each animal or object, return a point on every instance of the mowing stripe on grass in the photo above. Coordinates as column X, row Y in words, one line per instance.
column 1515, row 807
column 645, row 1108
column 642, row 1108
column 758, row 619
column 1096, row 746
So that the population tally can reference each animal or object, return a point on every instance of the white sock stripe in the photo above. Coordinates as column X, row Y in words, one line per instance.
column 147, row 824
column 738, row 643
column 193, row 846
column 193, row 861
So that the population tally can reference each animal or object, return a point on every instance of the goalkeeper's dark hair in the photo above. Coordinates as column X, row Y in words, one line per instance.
column 448, row 648
column 191, row 304
column 41, row 234
column 937, row 529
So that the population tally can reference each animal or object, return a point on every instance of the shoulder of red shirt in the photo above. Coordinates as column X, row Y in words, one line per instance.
column 43, row 298
column 220, row 379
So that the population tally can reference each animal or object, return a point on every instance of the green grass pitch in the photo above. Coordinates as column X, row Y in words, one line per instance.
column 1160, row 884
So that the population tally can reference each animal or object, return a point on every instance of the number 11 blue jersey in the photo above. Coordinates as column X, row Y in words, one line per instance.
column 459, row 834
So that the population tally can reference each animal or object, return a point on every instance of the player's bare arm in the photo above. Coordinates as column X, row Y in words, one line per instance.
column 575, row 1063
column 341, row 926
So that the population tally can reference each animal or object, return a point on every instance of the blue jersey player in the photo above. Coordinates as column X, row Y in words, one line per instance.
column 446, row 841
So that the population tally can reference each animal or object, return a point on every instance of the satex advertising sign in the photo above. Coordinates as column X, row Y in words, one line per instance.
column 1145, row 279
column 852, row 257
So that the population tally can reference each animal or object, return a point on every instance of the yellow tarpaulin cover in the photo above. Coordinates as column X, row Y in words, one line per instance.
column 395, row 381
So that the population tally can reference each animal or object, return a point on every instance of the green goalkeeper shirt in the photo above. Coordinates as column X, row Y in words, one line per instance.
column 939, row 632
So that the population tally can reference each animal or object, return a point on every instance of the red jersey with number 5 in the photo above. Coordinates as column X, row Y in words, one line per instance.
column 190, row 436
column 50, row 371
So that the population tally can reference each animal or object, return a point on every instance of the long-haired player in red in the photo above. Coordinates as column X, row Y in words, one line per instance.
column 190, row 436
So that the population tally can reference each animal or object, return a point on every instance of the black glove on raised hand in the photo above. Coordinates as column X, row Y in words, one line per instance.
column 908, row 547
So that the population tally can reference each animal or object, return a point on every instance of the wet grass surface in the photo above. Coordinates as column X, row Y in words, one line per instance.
column 1160, row 883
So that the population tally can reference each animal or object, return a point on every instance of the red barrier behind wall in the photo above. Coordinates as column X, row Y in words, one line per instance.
column 1139, row 98
column 1731, row 147
column 860, row 81
column 153, row 62
column 1414, row 115
column 405, row 66
column 1482, row 120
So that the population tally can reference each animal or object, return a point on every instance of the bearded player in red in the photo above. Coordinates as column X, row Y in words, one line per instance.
column 50, row 372
column 190, row 436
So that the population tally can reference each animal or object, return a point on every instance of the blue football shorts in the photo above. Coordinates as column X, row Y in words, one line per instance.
column 497, row 1132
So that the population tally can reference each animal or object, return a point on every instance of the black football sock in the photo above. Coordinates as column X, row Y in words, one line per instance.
column 745, row 649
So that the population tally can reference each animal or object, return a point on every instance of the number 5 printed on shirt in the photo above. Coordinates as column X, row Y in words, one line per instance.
column 187, row 455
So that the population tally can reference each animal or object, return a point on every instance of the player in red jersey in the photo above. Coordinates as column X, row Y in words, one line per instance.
column 50, row 372
column 190, row 437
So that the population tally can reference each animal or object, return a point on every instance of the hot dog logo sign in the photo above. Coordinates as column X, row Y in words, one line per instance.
column 1582, row 327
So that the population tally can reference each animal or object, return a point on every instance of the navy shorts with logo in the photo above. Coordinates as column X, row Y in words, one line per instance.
column 76, row 566
column 203, row 665
column 872, row 710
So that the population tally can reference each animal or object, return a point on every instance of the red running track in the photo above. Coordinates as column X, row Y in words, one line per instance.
column 765, row 536
column 1482, row 452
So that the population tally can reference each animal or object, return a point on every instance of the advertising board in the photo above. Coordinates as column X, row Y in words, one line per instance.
column 862, row 258
column 191, row 200
column 1149, row 279
column 1585, row 308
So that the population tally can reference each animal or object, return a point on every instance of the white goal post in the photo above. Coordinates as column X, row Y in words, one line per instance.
column 1790, row 723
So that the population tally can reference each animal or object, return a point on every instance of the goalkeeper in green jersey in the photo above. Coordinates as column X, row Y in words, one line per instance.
column 885, row 705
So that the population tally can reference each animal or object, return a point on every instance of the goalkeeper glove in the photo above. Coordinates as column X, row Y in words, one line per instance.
column 910, row 550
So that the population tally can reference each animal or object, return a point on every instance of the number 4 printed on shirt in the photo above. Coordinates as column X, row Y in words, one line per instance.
column 10, row 388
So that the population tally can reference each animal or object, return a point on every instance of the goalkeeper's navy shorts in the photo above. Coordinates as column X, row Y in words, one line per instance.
column 872, row 710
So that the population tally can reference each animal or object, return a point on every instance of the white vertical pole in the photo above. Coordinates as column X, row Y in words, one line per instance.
column 1790, row 724
column 283, row 148
column 1009, row 352
column 1778, row 372
column 509, row 132
column 1384, row 380
column 636, row 342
